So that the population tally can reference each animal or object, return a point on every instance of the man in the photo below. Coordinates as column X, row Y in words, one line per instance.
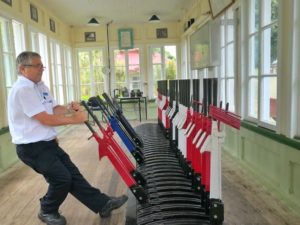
column 32, row 115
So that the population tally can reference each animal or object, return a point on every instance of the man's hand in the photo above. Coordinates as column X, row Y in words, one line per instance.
column 75, row 106
column 80, row 116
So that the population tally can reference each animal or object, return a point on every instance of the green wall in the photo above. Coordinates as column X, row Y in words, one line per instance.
column 273, row 161
column 8, row 154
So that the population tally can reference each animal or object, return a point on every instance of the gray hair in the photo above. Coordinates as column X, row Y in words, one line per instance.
column 25, row 58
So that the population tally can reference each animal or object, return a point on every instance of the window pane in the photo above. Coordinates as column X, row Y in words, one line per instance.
column 170, row 62
column 222, row 92
column 120, row 74
column 97, row 58
column 230, row 26
column 270, row 40
column 253, row 101
column 254, row 55
column 270, row 11
column 156, row 55
column 8, row 70
column 223, row 23
column 19, row 39
column 223, row 63
column 84, row 59
column 85, row 77
column 230, row 95
column 133, row 56
column 99, row 88
column 254, row 15
column 230, row 60
column 86, row 92
column 119, row 56
column 269, row 100
column 98, row 75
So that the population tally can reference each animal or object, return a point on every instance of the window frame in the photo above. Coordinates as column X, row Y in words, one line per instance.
column 260, row 76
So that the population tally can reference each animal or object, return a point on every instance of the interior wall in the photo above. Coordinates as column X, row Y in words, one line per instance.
column 273, row 164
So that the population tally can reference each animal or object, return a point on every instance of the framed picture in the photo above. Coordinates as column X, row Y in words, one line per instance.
column 52, row 25
column 34, row 13
column 125, row 38
column 8, row 2
column 89, row 36
column 162, row 33
column 217, row 7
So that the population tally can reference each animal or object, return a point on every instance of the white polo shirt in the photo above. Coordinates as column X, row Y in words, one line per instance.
column 25, row 100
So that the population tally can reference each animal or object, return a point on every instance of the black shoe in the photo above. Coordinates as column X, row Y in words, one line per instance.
column 113, row 203
column 52, row 218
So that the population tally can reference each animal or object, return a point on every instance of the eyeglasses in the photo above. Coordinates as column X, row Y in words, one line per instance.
column 39, row 66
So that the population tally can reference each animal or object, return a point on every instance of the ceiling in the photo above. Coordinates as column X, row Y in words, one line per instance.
column 79, row 12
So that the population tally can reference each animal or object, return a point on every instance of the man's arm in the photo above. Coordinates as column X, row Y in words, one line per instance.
column 60, row 119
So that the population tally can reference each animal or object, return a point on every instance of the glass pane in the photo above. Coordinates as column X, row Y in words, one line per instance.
column 85, row 92
column 223, row 63
column 97, row 58
column 156, row 55
column 254, row 15
column 19, row 41
column 254, row 55
column 133, row 56
column 230, row 60
column 120, row 74
column 58, row 56
column 5, row 36
column 84, row 59
column 223, row 23
column 222, row 92
column 98, row 75
column 269, row 100
column 253, row 100
column 230, row 95
column 135, row 85
column 59, row 75
column 269, row 44
column 85, row 77
column 61, row 95
column 230, row 26
column 99, row 88
column 119, row 56
column 8, row 70
column 170, row 62
column 270, row 11
column 157, row 73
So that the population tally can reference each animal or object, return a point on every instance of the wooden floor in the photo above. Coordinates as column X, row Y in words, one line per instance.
column 246, row 202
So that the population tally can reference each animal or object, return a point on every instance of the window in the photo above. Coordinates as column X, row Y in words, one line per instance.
column 7, row 64
column 11, row 44
column 262, row 62
column 163, row 66
column 68, row 71
column 228, row 60
column 91, row 75
column 39, row 44
column 57, row 76
column 127, row 70
column 19, row 39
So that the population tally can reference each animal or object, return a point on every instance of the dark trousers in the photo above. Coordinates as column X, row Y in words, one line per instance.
column 48, row 159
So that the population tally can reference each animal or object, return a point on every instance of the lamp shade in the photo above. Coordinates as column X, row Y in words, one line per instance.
column 93, row 21
column 154, row 18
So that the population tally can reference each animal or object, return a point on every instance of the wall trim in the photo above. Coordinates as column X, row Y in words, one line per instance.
column 272, row 135
column 4, row 130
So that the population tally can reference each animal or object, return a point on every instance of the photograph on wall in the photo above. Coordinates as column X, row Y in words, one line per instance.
column 162, row 33
column 90, row 36
column 34, row 13
column 52, row 25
